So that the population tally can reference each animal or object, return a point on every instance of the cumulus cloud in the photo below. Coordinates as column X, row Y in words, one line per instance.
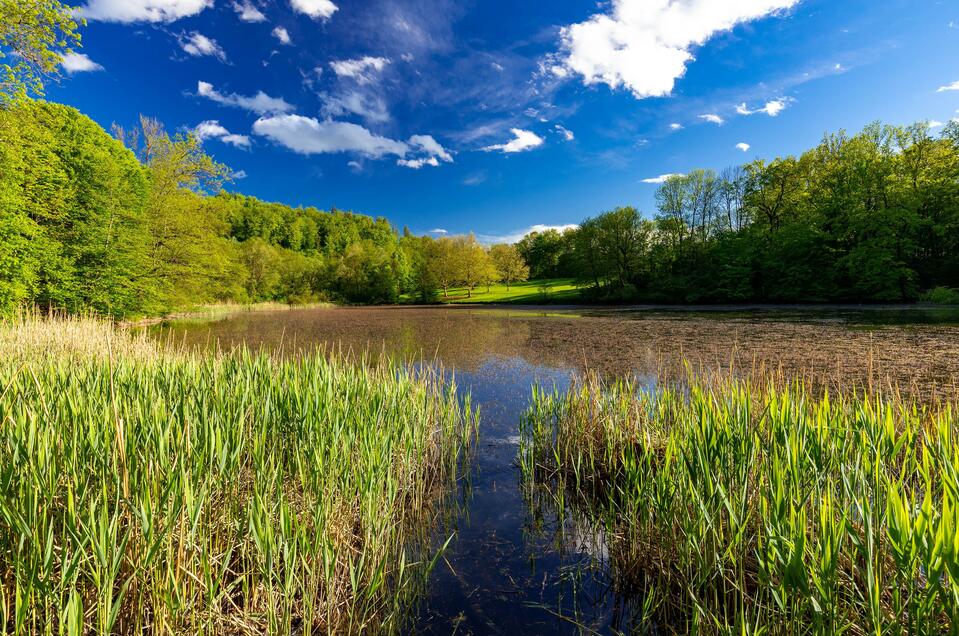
column 644, row 46
column 239, row 174
column 199, row 45
column 522, row 140
column 308, row 136
column 416, row 164
column 517, row 236
column 363, row 70
column 948, row 87
column 240, row 141
column 128, row 11
column 429, row 145
column 438, row 230
column 316, row 9
column 675, row 126
column 934, row 124
column 208, row 129
column 212, row 129
column 771, row 108
column 248, row 12
column 433, row 150
column 713, row 118
column 661, row 178
column 78, row 63
column 742, row 145
column 282, row 35
column 261, row 103
column 565, row 132
column 372, row 108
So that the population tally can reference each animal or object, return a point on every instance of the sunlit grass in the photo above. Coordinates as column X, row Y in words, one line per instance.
column 552, row 290
column 151, row 491
column 745, row 508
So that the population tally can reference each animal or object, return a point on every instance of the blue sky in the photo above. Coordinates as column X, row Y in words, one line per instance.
column 497, row 116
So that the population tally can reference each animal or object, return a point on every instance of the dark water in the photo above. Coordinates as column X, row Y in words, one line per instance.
column 514, row 570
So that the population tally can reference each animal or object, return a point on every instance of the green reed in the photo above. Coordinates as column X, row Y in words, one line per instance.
column 760, row 509
column 149, row 491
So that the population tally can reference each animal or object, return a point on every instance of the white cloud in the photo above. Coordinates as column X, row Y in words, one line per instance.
column 78, row 63
column 949, row 87
column 675, row 126
column 248, row 12
column 565, row 132
column 209, row 129
column 935, row 124
column 645, row 45
column 362, row 69
column 771, row 108
column 239, row 174
column 281, row 34
column 199, row 45
column 308, row 136
column 370, row 107
column 515, row 237
column 240, row 141
column 438, row 230
column 261, row 103
column 435, row 153
column 742, row 145
column 416, row 164
column 661, row 178
column 498, row 67
column 429, row 145
column 522, row 140
column 713, row 118
column 212, row 129
column 128, row 11
column 316, row 9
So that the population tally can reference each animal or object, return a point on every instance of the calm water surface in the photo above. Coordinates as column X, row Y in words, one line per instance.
column 510, row 570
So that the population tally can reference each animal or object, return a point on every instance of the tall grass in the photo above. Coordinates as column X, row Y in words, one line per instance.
column 737, row 507
column 149, row 491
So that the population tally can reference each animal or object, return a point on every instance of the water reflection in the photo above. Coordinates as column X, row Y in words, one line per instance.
column 517, row 564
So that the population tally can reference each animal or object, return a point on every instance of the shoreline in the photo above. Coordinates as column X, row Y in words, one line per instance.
column 221, row 311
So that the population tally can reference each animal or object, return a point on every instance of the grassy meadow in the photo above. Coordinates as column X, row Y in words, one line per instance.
column 747, row 508
column 144, row 490
column 533, row 292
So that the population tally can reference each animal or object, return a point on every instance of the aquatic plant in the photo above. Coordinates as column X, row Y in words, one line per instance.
column 144, row 490
column 750, row 508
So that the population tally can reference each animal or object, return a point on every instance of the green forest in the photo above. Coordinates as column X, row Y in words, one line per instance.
column 872, row 217
column 137, row 222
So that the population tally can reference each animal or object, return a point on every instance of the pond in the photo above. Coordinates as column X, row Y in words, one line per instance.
column 513, row 568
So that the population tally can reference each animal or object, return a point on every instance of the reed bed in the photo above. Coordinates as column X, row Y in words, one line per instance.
column 144, row 490
column 758, row 508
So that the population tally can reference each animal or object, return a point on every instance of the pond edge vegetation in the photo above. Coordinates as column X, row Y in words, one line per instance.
column 170, row 491
column 751, row 507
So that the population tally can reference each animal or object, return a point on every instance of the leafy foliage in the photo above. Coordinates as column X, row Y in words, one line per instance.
column 34, row 34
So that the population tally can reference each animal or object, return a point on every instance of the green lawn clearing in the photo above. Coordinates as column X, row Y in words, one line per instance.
column 555, row 290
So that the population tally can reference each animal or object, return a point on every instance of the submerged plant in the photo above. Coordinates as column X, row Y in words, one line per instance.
column 750, row 508
column 149, row 491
